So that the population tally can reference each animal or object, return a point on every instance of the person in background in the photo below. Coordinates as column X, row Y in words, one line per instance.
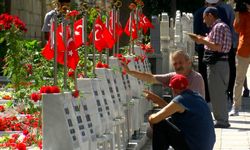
column 217, row 45
column 231, row 56
column 61, row 7
column 200, row 28
column 246, row 90
column 241, row 25
column 190, row 126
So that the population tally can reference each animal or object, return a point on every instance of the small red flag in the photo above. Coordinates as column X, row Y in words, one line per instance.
column 145, row 23
column 103, row 38
column 133, row 28
column 47, row 51
column 78, row 33
column 72, row 55
column 118, row 26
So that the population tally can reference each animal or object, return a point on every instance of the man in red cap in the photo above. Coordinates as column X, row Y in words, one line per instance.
column 190, row 126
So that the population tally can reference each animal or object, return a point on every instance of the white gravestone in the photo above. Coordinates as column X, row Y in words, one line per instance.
column 94, row 104
column 59, row 128
column 110, row 83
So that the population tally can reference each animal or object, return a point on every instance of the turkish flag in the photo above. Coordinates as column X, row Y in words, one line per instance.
column 118, row 26
column 103, row 38
column 145, row 23
column 47, row 51
column 59, row 37
column 78, row 33
column 133, row 28
column 72, row 55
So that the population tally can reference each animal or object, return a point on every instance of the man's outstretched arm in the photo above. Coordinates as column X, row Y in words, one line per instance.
column 155, row 98
column 141, row 75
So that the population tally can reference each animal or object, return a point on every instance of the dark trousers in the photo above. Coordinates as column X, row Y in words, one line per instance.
column 164, row 135
column 202, row 68
column 232, row 69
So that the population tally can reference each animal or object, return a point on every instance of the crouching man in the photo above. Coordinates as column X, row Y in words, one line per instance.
column 185, row 123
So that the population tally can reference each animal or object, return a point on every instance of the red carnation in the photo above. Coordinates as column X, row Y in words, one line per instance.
column 15, row 136
column 72, row 13
column 124, row 72
column 143, row 57
column 99, row 65
column 25, row 132
column 45, row 89
column 105, row 65
column 2, row 108
column 21, row 146
column 75, row 94
column 55, row 89
column 132, row 6
column 118, row 55
column 81, row 75
column 143, row 47
column 136, row 59
column 71, row 74
column 35, row 97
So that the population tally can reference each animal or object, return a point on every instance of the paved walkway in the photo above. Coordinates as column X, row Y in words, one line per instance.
column 237, row 137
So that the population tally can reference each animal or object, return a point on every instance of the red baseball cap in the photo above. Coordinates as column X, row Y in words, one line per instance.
column 178, row 82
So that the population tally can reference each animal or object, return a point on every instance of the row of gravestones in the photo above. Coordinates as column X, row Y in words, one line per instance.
column 106, row 114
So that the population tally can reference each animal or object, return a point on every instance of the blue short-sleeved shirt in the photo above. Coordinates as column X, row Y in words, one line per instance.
column 196, row 122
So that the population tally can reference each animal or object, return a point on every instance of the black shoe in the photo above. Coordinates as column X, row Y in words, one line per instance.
column 246, row 93
column 218, row 125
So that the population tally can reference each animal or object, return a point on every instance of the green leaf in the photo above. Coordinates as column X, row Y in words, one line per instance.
column 9, row 104
column 2, row 40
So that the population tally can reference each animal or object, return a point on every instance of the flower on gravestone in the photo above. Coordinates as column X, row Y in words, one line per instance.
column 127, row 61
column 147, row 48
column 35, row 97
column 55, row 89
column 49, row 89
column 118, row 55
column 124, row 72
column 143, row 57
column 80, row 75
column 105, row 65
column 75, row 93
column 136, row 58
column 101, row 65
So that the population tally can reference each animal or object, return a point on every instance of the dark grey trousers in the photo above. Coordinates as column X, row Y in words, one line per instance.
column 218, row 78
